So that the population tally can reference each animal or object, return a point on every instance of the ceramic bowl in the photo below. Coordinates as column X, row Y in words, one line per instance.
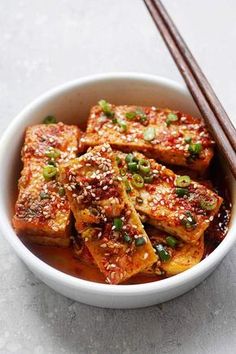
column 70, row 103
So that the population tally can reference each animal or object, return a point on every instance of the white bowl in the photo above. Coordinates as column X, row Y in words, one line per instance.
column 70, row 103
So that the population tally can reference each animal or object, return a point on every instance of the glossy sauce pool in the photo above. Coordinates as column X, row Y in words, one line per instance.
column 65, row 260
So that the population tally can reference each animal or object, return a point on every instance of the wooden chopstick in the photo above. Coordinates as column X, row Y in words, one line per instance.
column 201, row 79
column 208, row 114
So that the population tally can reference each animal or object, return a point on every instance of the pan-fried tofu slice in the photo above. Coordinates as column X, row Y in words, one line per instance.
column 42, row 211
column 105, row 217
column 173, row 260
column 170, row 202
column 169, row 136
column 57, row 142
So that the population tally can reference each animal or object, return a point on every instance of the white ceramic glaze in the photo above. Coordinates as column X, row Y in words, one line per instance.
column 70, row 103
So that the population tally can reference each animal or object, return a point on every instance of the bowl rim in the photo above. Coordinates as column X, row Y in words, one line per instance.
column 73, row 282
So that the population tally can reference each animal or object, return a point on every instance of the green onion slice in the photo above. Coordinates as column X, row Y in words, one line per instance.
column 137, row 181
column 49, row 120
column 171, row 241
column 183, row 181
column 143, row 118
column 122, row 172
column 130, row 115
column 181, row 192
column 189, row 222
column 144, row 166
column 118, row 223
column 129, row 158
column 195, row 149
column 141, row 114
column 122, row 125
column 49, row 172
column 106, row 107
column 208, row 203
column 149, row 133
column 127, row 186
column 172, row 117
column 52, row 163
column 140, row 241
column 127, row 238
column 133, row 166
column 148, row 179
column 188, row 140
column 53, row 153
column 162, row 253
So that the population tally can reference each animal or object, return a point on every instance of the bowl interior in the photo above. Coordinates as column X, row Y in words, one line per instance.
column 71, row 104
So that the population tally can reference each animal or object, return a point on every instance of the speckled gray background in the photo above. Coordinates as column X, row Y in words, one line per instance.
column 44, row 43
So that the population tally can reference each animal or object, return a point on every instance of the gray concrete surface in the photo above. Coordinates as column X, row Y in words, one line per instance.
column 45, row 43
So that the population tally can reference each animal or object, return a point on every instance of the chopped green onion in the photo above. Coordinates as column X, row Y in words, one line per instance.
column 162, row 252
column 122, row 172
column 122, row 125
column 49, row 172
column 129, row 157
column 106, row 107
column 143, row 118
column 189, row 222
column 208, row 203
column 133, row 166
column 149, row 134
column 148, row 179
column 44, row 195
column 181, row 192
column 52, row 163
column 195, row 149
column 118, row 223
column 118, row 160
column 171, row 241
column 144, row 166
column 188, row 140
column 127, row 186
column 61, row 191
column 140, row 241
column 114, row 120
column 172, row 117
column 141, row 114
column 137, row 181
column 49, row 120
column 53, row 153
column 127, row 238
column 130, row 115
column 183, row 181
column 139, row 200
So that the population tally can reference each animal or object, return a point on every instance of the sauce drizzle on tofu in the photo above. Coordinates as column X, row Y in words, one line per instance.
column 170, row 136
column 42, row 211
column 105, row 217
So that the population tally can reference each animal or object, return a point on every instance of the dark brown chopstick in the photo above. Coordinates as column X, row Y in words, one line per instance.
column 201, row 79
column 216, row 129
